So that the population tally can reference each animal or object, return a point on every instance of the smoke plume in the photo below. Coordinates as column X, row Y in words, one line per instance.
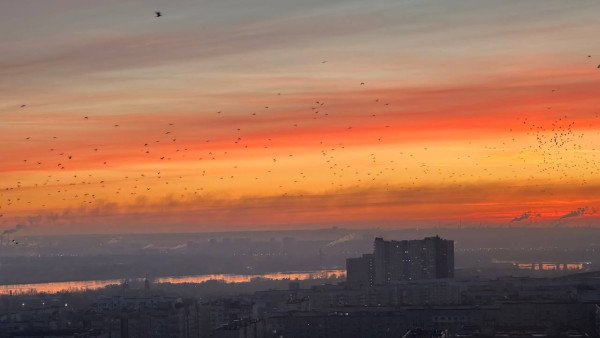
column 15, row 229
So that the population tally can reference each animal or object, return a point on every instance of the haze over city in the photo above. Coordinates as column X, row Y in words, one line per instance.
column 222, row 115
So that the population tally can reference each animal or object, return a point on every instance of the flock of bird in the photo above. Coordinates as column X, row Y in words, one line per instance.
column 83, row 179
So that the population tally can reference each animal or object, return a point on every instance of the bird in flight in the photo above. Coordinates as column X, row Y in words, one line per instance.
column 158, row 14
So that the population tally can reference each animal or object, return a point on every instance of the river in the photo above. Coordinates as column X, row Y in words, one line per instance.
column 55, row 287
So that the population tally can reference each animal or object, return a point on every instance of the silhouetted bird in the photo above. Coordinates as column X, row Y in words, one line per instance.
column 158, row 14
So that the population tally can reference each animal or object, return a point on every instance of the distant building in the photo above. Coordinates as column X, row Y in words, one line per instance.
column 392, row 261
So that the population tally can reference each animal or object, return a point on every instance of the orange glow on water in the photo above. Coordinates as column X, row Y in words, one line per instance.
column 75, row 286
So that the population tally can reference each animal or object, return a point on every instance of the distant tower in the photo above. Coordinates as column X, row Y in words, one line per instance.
column 321, row 257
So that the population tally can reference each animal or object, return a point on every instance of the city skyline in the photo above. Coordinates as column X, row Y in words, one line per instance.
column 226, row 116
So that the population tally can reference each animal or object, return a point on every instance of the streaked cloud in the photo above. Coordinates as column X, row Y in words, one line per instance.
column 236, row 115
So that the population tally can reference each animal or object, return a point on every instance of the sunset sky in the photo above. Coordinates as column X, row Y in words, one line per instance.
column 277, row 114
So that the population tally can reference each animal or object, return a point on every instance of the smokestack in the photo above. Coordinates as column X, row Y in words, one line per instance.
column 4, row 239
column 6, row 233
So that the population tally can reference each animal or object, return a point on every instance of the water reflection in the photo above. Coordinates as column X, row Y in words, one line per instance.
column 547, row 266
column 552, row 266
column 73, row 286
column 320, row 274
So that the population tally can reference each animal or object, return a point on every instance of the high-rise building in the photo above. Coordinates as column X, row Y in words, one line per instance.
column 428, row 258
column 361, row 270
